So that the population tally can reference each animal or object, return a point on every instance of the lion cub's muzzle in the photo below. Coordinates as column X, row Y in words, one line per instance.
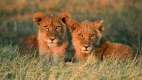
column 53, row 41
column 87, row 49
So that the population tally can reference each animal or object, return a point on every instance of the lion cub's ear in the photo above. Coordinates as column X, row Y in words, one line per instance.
column 66, row 18
column 38, row 17
column 99, row 25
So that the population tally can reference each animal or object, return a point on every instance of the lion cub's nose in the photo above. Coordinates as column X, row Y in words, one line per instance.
column 52, row 38
column 86, row 46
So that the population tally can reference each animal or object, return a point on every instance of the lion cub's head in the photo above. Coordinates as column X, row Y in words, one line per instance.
column 87, row 35
column 52, row 27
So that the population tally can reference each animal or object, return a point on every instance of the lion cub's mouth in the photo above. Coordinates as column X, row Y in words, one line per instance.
column 53, row 43
column 87, row 50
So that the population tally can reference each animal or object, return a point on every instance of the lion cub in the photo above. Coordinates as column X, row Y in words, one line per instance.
column 52, row 35
column 87, row 39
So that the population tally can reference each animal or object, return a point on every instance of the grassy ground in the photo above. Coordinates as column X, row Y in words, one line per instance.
column 16, row 67
column 122, row 24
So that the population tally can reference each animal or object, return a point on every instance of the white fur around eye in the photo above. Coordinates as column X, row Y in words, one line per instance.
column 47, row 29
column 92, row 36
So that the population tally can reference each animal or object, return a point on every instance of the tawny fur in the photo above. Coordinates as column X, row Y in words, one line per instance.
column 51, row 27
column 117, row 51
column 90, row 34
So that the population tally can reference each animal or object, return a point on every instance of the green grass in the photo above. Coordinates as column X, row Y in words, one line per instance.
column 123, row 25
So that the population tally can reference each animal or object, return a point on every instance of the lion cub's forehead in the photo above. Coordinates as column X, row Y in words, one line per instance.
column 52, row 21
column 86, row 28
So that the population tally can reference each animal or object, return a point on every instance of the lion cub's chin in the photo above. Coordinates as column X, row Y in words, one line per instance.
column 86, row 51
column 52, row 44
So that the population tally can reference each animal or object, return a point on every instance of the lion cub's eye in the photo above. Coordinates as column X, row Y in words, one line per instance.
column 46, row 28
column 92, row 36
column 58, row 28
column 81, row 35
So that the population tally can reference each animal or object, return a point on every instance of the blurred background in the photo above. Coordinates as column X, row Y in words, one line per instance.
column 123, row 18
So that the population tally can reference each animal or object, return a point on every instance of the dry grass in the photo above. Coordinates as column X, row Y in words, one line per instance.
column 16, row 67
